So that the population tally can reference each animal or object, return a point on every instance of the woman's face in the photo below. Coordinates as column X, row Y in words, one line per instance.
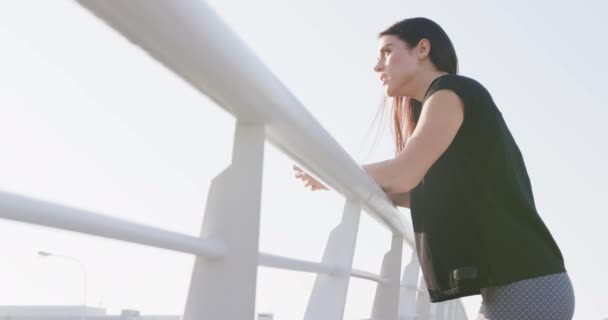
column 397, row 65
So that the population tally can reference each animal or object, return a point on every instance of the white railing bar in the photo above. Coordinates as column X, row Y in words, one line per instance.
column 369, row 276
column 29, row 210
column 192, row 40
column 279, row 262
column 34, row 211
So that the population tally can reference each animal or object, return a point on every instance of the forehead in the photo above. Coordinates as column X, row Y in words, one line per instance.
column 388, row 40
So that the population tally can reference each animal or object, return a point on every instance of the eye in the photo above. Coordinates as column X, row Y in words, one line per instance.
column 383, row 54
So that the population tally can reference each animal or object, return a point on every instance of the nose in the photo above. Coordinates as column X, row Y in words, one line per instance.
column 379, row 66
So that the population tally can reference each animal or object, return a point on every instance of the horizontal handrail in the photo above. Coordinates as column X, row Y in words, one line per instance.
column 177, row 33
column 369, row 276
column 34, row 211
column 44, row 213
column 279, row 262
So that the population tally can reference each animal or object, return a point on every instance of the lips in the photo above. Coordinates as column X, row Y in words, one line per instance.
column 383, row 78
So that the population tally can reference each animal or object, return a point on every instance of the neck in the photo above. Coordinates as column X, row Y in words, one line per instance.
column 423, row 82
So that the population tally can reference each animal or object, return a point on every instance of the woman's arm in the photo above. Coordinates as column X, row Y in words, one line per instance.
column 440, row 119
column 400, row 199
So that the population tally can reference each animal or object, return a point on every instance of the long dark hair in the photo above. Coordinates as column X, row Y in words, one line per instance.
column 405, row 110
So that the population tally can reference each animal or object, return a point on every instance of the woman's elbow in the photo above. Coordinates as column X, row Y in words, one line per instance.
column 400, row 199
column 404, row 184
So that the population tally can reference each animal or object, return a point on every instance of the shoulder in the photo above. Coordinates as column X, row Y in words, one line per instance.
column 448, row 88
column 448, row 104
column 457, row 81
column 469, row 90
column 445, row 102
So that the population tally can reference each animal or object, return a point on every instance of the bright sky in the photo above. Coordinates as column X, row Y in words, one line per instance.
column 89, row 120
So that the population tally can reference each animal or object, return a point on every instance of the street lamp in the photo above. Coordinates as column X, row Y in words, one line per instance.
column 84, row 277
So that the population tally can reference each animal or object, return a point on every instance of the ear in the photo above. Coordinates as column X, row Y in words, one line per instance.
column 423, row 48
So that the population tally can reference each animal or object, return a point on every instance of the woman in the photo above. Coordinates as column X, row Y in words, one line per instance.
column 459, row 170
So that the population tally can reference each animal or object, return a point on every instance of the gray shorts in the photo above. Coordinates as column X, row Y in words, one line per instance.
column 546, row 297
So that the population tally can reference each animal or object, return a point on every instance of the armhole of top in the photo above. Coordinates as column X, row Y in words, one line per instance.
column 456, row 87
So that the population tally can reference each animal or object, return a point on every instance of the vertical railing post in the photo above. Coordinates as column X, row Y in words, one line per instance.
column 328, row 297
column 448, row 310
column 423, row 303
column 409, row 289
column 226, row 288
column 386, row 301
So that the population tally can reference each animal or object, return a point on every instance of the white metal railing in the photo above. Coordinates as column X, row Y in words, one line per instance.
column 190, row 39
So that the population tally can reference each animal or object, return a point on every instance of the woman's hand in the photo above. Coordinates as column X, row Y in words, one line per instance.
column 308, row 180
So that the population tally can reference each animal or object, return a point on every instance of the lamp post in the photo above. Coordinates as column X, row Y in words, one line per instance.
column 84, row 277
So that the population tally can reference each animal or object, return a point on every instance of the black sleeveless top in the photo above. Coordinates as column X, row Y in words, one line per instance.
column 474, row 216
